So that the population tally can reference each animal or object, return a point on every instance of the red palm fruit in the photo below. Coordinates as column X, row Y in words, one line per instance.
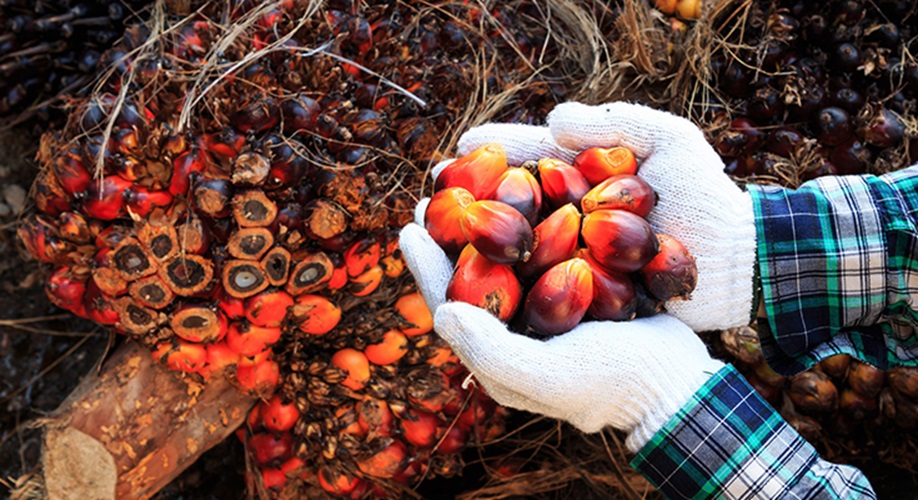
column 836, row 366
column 338, row 278
column 258, row 379
column 73, row 227
column 884, row 129
column 199, row 323
column 416, row 318
column 293, row 464
column 672, row 273
column 486, row 284
column 311, row 274
column 866, row 379
column 598, row 164
column 519, row 189
column 269, row 448
column 347, row 421
column 562, row 183
column 904, row 380
column 180, row 355
column 442, row 218
column 453, row 441
column 260, row 115
column 356, row 365
column 315, row 314
column 420, row 428
column 249, row 340
column 273, row 479
column 337, row 482
column 362, row 255
column 614, row 297
column 193, row 160
column 226, row 144
column 367, row 283
column 386, row 462
column 70, row 171
column 66, row 290
column 621, row 192
column 99, row 306
column 619, row 240
column 374, row 418
column 554, row 240
column 812, row 392
column 48, row 195
column 268, row 308
column 219, row 357
column 498, row 231
column 391, row 348
column 477, row 171
column 478, row 412
column 278, row 416
column 105, row 199
column 141, row 201
column 560, row 298
column 249, row 361
column 232, row 307
column 41, row 239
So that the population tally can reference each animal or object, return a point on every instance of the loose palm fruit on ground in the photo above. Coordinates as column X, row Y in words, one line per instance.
column 671, row 274
column 498, row 231
column 560, row 298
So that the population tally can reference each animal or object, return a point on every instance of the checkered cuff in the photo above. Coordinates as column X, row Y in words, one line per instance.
column 727, row 442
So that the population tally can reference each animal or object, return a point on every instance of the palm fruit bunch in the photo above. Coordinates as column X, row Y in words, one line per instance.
column 55, row 46
column 517, row 231
column 231, row 198
column 841, row 400
column 823, row 88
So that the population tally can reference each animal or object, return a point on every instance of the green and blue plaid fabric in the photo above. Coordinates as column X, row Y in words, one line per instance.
column 838, row 260
column 727, row 442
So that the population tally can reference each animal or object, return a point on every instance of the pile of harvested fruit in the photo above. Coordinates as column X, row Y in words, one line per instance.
column 518, row 231
column 824, row 88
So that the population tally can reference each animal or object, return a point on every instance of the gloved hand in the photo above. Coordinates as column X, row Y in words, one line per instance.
column 633, row 375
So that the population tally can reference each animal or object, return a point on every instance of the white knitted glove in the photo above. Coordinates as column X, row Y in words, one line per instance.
column 632, row 375
column 698, row 204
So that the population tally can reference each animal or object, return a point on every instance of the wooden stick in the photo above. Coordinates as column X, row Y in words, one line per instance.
column 130, row 429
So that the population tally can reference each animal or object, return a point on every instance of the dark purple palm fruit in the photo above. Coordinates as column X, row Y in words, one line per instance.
column 883, row 129
column 832, row 126
column 850, row 157
column 847, row 57
column 784, row 141
column 848, row 99
column 766, row 105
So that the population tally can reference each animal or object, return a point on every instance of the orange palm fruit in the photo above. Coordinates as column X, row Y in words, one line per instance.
column 672, row 273
column 232, row 307
column 356, row 365
column 554, row 240
column 278, row 416
column 598, row 164
column 368, row 282
column 249, row 340
column 688, row 9
column 415, row 315
column 621, row 192
column 441, row 219
column 866, row 379
column 268, row 308
column 386, row 462
column 273, row 479
column 666, row 6
column 315, row 314
column 560, row 298
column 562, row 183
column 219, row 356
column 498, row 231
column 362, row 255
column 486, row 284
column 393, row 346
column 619, row 240
column 258, row 379
column 269, row 448
column 453, row 441
column 813, row 392
column 65, row 289
column 337, row 482
column 374, row 418
column 338, row 277
column 477, row 171
column 420, row 428
column 180, row 355
column 614, row 298
column 519, row 189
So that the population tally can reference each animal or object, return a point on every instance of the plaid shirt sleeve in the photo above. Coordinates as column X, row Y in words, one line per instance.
column 727, row 442
column 838, row 261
